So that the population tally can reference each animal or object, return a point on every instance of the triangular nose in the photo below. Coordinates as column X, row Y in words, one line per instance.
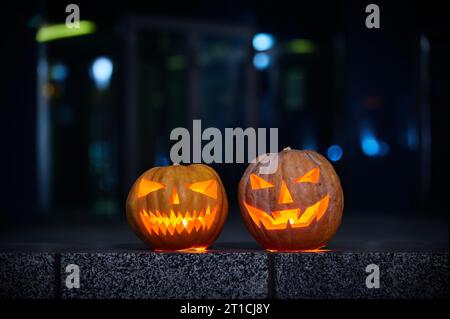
column 285, row 196
column 174, row 199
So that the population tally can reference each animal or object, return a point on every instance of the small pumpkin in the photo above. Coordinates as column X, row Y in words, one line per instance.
column 178, row 207
column 299, row 207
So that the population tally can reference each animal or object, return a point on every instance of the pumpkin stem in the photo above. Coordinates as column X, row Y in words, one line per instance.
column 287, row 148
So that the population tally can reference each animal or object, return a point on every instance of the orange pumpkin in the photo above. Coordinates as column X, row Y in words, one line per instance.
column 178, row 207
column 299, row 207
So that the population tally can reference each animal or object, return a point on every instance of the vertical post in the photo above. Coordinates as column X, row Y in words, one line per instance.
column 251, row 87
column 193, row 43
column 425, row 129
column 43, row 134
column 131, row 110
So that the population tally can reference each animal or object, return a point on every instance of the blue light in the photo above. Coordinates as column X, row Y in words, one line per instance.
column 370, row 145
column 335, row 153
column 263, row 42
column 161, row 160
column 261, row 61
column 309, row 144
column 59, row 72
column 101, row 71
column 309, row 147
column 384, row 149
column 412, row 138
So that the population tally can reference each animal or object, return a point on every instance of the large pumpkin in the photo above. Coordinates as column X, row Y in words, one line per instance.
column 299, row 207
column 178, row 207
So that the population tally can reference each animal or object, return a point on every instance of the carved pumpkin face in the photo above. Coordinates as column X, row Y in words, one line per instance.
column 178, row 207
column 299, row 207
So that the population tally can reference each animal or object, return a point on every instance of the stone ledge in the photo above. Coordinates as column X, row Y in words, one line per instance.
column 224, row 274
column 343, row 275
column 168, row 275
column 27, row 275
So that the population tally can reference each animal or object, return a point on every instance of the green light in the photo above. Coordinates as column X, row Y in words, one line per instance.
column 61, row 31
column 300, row 46
column 176, row 63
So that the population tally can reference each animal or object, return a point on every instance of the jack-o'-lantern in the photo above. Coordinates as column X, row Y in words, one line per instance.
column 178, row 207
column 298, row 207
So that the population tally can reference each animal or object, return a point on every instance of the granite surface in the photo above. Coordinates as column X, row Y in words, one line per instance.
column 224, row 274
column 27, row 276
column 168, row 275
column 343, row 275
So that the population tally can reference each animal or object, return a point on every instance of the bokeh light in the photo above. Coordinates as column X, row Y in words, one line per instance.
column 261, row 61
column 335, row 153
column 59, row 72
column 263, row 42
column 370, row 145
column 101, row 71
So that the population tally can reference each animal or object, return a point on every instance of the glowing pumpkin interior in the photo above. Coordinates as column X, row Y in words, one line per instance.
column 176, row 220
column 292, row 217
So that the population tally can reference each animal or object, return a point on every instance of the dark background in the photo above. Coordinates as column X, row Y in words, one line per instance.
column 70, row 150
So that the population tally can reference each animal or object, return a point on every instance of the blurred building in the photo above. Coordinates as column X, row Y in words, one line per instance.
column 86, row 115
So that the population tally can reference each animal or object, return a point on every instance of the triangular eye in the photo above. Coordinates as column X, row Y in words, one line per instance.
column 311, row 177
column 208, row 188
column 146, row 187
column 257, row 182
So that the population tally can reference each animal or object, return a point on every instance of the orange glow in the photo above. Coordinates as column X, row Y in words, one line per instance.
column 285, row 196
column 193, row 250
column 174, row 199
column 208, row 188
column 162, row 224
column 323, row 205
column 314, row 251
column 146, row 187
column 311, row 177
column 288, row 218
column 50, row 90
column 257, row 182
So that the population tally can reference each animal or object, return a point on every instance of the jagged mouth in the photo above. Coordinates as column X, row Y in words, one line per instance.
column 160, row 223
column 289, row 218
